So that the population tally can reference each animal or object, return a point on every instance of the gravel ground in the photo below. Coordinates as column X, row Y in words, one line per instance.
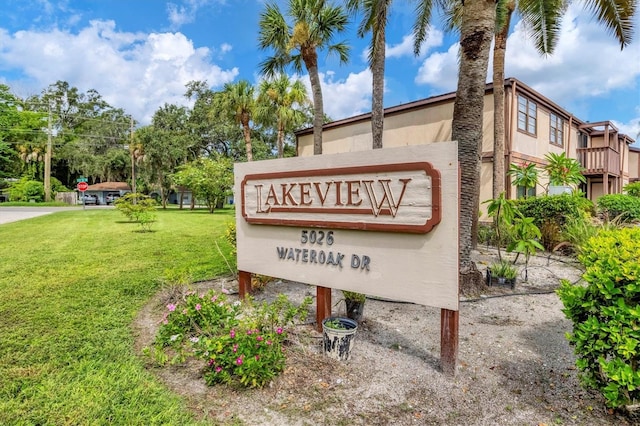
column 515, row 366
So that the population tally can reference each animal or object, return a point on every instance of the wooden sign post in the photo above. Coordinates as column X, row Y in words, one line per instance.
column 381, row 222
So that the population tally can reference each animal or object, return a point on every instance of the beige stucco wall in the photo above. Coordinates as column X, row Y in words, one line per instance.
column 418, row 126
column 634, row 164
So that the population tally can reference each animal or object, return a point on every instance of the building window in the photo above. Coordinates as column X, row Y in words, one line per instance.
column 556, row 130
column 530, row 191
column 527, row 115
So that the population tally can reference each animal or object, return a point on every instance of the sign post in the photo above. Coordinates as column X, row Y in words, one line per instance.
column 82, row 186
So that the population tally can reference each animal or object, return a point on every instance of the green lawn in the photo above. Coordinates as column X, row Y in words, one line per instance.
column 70, row 285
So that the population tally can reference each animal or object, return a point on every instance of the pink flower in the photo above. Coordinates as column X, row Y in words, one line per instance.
column 214, row 298
column 235, row 348
column 232, row 334
column 165, row 321
column 198, row 307
column 249, row 332
column 171, row 307
column 269, row 342
column 259, row 338
column 212, row 361
column 257, row 357
column 279, row 330
column 218, row 369
column 239, row 361
column 225, row 291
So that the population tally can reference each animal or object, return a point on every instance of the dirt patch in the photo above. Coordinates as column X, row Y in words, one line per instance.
column 515, row 366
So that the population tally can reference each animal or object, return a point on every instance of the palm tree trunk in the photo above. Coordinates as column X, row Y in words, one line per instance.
column 377, row 70
column 499, row 51
column 247, row 136
column 280, row 140
column 310, row 58
column 478, row 21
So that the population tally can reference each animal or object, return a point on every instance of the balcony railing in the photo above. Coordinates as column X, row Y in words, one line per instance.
column 599, row 160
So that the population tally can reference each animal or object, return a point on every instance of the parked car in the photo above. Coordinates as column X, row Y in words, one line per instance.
column 90, row 199
column 111, row 198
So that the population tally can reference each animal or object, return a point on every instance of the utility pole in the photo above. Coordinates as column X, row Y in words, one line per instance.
column 47, row 164
column 133, row 160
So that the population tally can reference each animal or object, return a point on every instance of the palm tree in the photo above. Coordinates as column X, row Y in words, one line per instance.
column 543, row 19
column 478, row 19
column 314, row 25
column 477, row 24
column 238, row 102
column 375, row 21
column 278, row 98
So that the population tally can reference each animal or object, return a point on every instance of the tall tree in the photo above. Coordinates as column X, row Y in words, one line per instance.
column 543, row 20
column 166, row 145
column 214, row 131
column 375, row 21
column 478, row 19
column 314, row 23
column 282, row 99
column 478, row 22
column 238, row 101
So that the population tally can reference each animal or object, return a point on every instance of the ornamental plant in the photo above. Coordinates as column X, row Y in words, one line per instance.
column 606, row 316
column 238, row 343
column 524, row 174
column 562, row 170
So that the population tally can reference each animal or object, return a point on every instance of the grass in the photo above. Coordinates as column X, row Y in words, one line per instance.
column 71, row 285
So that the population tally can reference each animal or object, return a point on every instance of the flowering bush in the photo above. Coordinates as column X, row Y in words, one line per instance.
column 240, row 343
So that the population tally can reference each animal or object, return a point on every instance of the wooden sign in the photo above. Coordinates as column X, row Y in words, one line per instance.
column 400, row 197
column 381, row 222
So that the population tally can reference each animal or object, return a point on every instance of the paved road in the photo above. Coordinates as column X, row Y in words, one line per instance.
column 13, row 214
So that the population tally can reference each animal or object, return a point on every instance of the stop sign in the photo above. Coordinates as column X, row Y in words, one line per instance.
column 82, row 186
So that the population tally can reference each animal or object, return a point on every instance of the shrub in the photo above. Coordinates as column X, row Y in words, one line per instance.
column 230, row 236
column 605, row 313
column 239, row 343
column 137, row 208
column 625, row 208
column 555, row 208
column 632, row 189
column 27, row 190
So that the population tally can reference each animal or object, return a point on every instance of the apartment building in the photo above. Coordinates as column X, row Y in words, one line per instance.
column 534, row 127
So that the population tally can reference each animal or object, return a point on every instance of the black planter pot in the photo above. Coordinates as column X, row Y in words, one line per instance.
column 355, row 309
column 500, row 281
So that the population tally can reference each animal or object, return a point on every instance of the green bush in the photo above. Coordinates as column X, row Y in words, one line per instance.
column 138, row 208
column 26, row 190
column 230, row 236
column 632, row 189
column 551, row 212
column 555, row 208
column 625, row 208
column 606, row 315
column 240, row 343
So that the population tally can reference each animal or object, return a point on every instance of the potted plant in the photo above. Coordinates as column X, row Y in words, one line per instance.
column 337, row 335
column 503, row 273
column 354, row 304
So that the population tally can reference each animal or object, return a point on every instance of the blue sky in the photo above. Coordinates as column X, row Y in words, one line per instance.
column 139, row 54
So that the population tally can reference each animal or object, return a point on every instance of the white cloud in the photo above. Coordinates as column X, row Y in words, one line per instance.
column 587, row 61
column 440, row 70
column 181, row 14
column 344, row 98
column 134, row 71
